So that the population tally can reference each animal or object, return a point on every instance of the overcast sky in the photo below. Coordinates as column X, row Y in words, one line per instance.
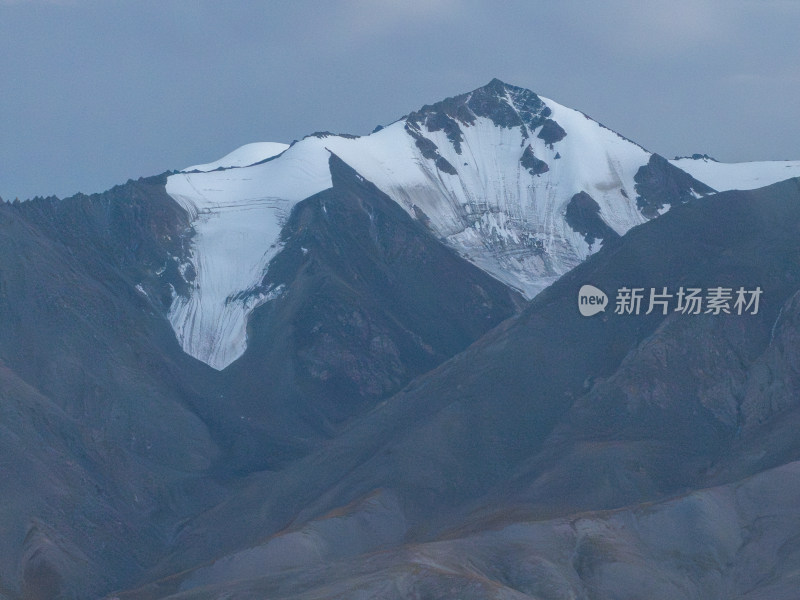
column 94, row 92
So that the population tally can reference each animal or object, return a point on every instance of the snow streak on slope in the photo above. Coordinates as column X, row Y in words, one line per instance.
column 491, row 173
column 493, row 211
column 247, row 155
column 738, row 176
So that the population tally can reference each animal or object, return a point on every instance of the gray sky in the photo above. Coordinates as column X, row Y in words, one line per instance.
column 98, row 91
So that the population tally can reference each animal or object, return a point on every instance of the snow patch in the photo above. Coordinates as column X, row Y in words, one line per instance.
column 237, row 217
column 738, row 176
column 247, row 155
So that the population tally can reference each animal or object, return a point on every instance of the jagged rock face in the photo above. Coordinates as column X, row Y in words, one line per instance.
column 551, row 132
column 366, row 300
column 137, row 228
column 504, row 105
column 583, row 215
column 659, row 185
column 533, row 164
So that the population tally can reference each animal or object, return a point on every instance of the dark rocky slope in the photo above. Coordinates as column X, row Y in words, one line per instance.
column 120, row 436
column 733, row 541
column 101, row 422
column 553, row 413
column 369, row 301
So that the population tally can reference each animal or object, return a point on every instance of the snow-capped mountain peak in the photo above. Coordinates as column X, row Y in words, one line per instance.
column 517, row 184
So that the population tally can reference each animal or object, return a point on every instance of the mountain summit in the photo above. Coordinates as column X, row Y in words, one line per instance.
column 519, row 185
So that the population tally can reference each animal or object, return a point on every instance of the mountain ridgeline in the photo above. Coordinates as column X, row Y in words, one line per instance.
column 355, row 365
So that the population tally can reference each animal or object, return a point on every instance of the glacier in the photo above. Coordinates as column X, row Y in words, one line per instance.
column 738, row 176
column 463, row 167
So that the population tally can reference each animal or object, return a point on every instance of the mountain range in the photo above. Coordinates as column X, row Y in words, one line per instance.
column 354, row 367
